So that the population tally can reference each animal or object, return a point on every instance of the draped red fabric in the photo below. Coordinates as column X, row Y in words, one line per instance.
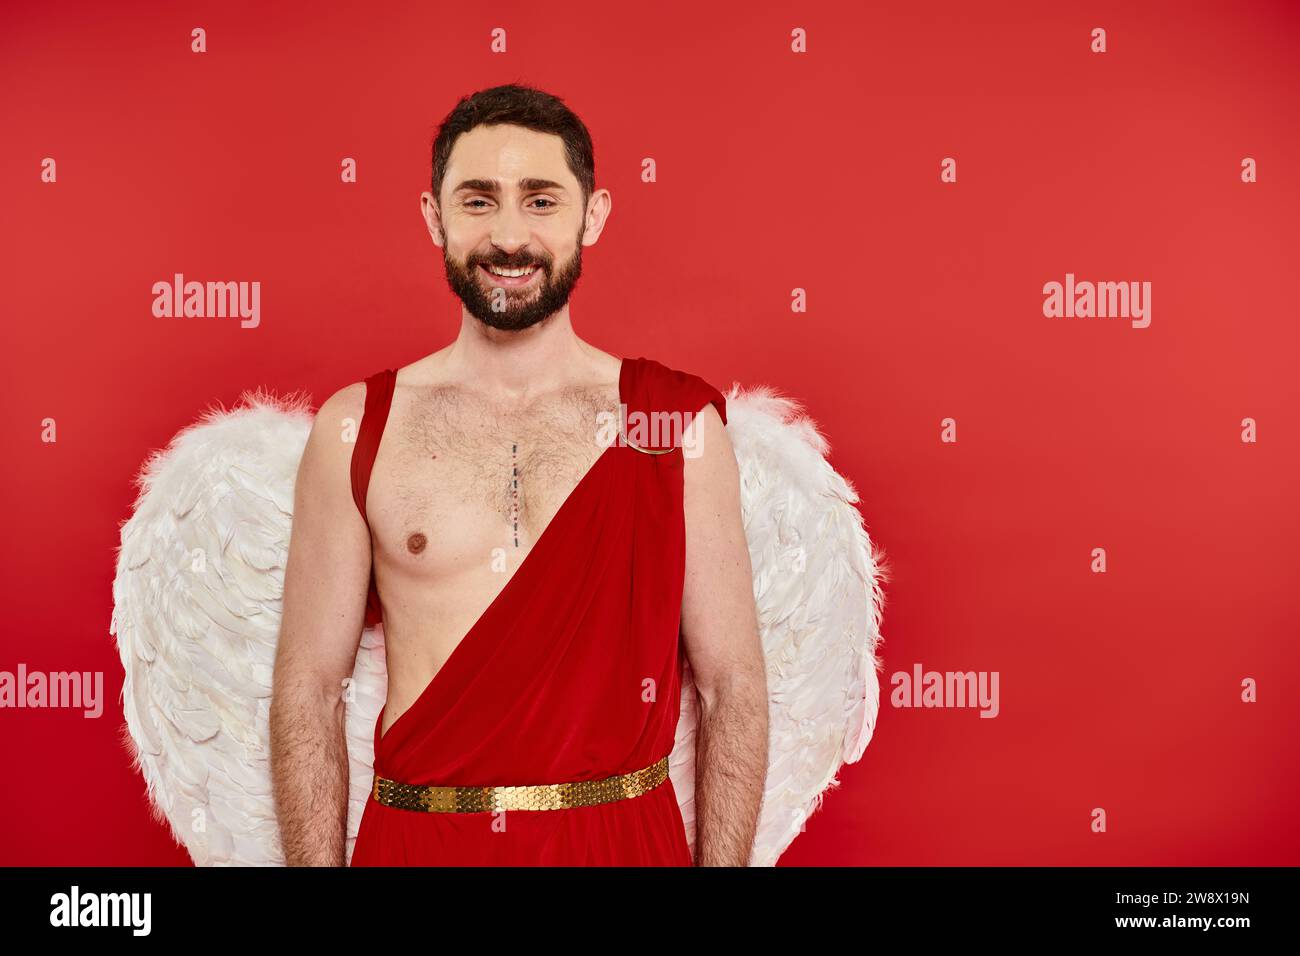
column 572, row 673
column 379, row 399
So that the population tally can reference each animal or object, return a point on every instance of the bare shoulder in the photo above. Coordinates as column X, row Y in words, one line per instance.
column 426, row 372
column 605, row 365
column 340, row 414
column 350, row 400
column 327, row 457
column 707, row 449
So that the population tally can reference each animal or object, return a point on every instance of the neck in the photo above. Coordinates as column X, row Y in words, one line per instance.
column 517, row 365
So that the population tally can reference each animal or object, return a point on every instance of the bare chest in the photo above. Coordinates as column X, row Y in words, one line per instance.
column 462, row 487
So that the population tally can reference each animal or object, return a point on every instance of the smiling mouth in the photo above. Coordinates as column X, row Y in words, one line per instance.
column 510, row 277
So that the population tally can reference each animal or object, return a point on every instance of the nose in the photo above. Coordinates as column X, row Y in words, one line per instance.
column 510, row 231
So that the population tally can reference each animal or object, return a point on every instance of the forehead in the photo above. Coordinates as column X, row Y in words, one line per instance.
column 508, row 153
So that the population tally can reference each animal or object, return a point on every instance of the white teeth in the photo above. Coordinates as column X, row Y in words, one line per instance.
column 513, row 273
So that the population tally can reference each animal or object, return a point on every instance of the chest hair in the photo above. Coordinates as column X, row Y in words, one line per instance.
column 458, row 450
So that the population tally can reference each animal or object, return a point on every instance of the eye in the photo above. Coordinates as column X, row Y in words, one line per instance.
column 469, row 204
column 551, row 203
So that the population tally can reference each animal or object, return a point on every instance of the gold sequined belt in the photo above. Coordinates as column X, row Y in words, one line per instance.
column 553, row 796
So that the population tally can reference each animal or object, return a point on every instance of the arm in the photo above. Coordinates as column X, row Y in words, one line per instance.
column 326, row 580
column 720, row 632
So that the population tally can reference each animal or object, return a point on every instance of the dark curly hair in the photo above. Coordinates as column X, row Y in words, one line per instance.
column 518, row 106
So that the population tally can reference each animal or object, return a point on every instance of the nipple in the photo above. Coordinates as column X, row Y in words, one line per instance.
column 416, row 542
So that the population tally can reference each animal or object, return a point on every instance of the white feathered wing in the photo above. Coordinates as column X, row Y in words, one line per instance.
column 197, row 603
column 817, row 588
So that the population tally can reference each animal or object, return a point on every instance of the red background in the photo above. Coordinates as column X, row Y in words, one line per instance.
column 776, row 171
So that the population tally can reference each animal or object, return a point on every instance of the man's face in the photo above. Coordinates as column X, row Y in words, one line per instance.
column 509, row 201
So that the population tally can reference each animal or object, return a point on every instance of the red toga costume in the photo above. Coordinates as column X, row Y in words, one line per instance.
column 572, row 673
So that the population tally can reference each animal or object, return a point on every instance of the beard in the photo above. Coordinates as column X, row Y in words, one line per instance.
column 515, row 309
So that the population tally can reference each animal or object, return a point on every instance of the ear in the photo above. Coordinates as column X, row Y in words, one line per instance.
column 432, row 218
column 598, row 209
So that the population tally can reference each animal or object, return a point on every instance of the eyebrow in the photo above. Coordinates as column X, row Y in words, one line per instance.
column 492, row 186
